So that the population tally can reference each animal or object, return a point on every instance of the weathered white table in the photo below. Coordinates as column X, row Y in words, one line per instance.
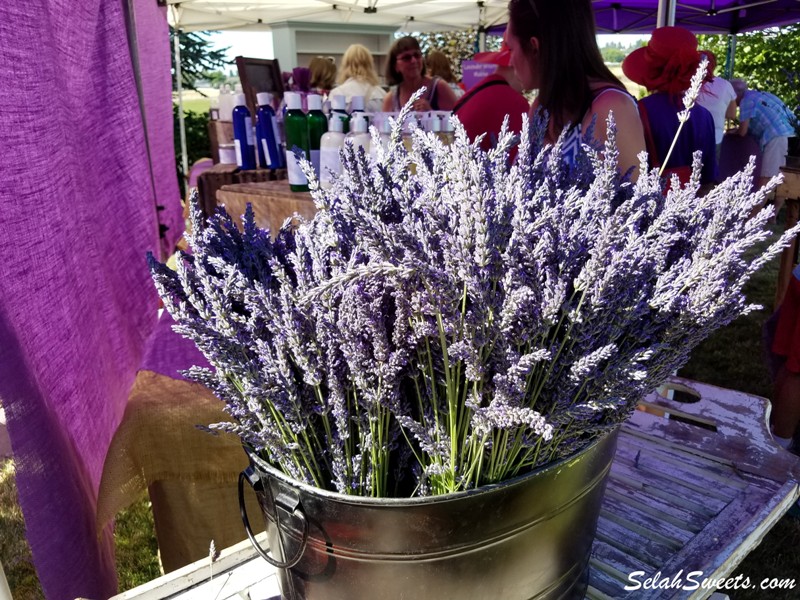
column 694, row 487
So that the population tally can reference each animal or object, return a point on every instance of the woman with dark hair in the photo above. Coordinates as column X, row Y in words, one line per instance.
column 437, row 64
column 405, row 72
column 554, row 50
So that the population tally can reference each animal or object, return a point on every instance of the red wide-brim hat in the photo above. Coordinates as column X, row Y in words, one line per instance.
column 501, row 58
column 666, row 63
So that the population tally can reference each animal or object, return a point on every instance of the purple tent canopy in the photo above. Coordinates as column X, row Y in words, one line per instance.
column 699, row 16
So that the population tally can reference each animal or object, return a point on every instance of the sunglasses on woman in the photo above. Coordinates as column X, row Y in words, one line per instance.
column 408, row 57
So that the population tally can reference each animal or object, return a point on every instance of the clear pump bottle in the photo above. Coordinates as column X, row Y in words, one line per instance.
column 358, row 132
column 330, row 147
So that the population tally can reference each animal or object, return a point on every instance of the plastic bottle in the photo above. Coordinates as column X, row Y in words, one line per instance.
column 338, row 104
column 243, row 138
column 384, row 127
column 357, row 106
column 447, row 125
column 330, row 145
column 317, row 126
column 266, row 133
column 358, row 132
column 295, row 127
column 225, row 103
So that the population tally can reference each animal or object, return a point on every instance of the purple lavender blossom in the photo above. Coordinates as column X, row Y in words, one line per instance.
column 448, row 319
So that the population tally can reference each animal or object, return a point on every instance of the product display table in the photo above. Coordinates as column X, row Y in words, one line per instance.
column 789, row 191
column 273, row 202
column 211, row 180
column 695, row 485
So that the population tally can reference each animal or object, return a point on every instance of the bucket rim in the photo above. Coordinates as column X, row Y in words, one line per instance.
column 261, row 465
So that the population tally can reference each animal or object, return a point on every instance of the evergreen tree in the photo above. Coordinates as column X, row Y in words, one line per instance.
column 198, row 59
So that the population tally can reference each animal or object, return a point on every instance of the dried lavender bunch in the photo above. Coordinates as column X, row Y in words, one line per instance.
column 454, row 324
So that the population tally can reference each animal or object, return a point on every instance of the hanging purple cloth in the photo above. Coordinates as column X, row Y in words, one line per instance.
column 77, row 215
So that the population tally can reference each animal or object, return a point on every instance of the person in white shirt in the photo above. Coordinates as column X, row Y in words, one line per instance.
column 357, row 77
column 718, row 97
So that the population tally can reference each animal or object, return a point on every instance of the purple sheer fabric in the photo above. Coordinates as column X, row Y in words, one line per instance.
column 77, row 215
column 169, row 353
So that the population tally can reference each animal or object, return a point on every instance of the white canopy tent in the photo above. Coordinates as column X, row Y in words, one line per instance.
column 405, row 15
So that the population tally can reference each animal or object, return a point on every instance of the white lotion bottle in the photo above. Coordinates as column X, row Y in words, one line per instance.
column 384, row 127
column 330, row 144
column 359, row 133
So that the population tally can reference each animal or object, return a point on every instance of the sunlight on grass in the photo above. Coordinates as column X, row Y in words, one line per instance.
column 136, row 547
column 15, row 554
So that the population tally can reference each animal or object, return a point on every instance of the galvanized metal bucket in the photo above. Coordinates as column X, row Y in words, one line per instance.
column 529, row 537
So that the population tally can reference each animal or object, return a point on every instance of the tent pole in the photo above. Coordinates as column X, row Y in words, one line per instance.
column 181, row 122
column 729, row 56
column 666, row 13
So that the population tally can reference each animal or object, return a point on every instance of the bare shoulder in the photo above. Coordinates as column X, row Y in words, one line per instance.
column 616, row 99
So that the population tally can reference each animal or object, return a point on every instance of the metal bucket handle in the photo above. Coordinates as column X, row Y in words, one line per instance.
column 290, row 504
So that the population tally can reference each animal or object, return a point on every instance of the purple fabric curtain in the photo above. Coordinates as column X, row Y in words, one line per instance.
column 77, row 214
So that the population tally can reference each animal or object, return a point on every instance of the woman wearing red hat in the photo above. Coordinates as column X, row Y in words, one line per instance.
column 665, row 67
column 485, row 106
column 554, row 50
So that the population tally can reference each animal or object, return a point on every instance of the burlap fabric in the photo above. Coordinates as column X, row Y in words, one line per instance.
column 191, row 474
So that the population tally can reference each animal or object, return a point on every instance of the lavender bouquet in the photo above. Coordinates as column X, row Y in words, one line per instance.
column 446, row 326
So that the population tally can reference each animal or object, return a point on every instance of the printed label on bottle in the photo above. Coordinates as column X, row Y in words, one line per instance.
column 329, row 162
column 238, row 145
column 267, row 155
column 295, row 173
column 250, row 131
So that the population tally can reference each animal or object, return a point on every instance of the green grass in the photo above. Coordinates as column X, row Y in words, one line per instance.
column 136, row 545
column 15, row 554
column 196, row 105
column 134, row 535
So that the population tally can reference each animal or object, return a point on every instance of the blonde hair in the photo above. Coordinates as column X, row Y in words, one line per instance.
column 439, row 66
column 323, row 72
column 357, row 63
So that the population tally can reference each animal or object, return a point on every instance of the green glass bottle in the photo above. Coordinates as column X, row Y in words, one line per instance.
column 317, row 126
column 295, row 125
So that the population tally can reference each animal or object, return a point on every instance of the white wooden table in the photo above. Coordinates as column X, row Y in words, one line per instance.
column 693, row 487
